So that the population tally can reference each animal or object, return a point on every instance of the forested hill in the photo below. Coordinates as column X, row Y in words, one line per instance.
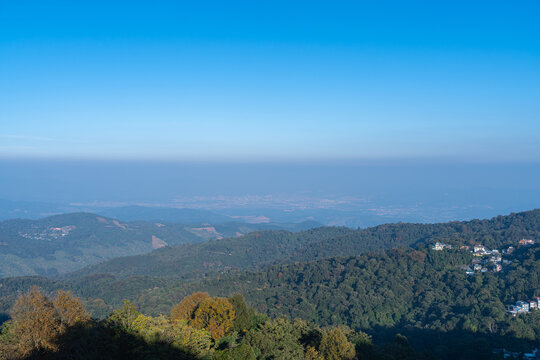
column 493, row 233
column 256, row 250
column 67, row 242
column 419, row 292
column 195, row 261
column 423, row 294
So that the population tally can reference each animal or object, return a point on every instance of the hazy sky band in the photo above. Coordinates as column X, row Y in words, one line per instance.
column 277, row 81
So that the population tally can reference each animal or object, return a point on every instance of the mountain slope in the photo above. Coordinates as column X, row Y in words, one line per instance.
column 423, row 294
column 253, row 251
column 195, row 261
column 67, row 242
column 493, row 233
column 412, row 292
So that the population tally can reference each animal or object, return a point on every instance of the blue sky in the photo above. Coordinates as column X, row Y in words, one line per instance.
column 270, row 80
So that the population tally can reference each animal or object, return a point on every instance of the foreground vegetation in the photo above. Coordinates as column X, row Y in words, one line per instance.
column 199, row 327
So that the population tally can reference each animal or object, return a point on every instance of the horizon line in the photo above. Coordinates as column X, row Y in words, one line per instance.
column 373, row 160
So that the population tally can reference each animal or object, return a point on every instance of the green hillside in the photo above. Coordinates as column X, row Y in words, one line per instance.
column 410, row 292
column 253, row 251
column 422, row 293
column 63, row 243
column 493, row 233
column 196, row 261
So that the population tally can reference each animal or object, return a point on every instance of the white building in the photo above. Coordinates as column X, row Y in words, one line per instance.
column 438, row 246
column 479, row 249
column 524, row 305
column 525, row 242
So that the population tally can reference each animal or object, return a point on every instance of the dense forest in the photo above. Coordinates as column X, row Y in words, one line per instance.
column 198, row 327
column 411, row 292
column 259, row 249
column 422, row 294
column 196, row 261
column 408, row 290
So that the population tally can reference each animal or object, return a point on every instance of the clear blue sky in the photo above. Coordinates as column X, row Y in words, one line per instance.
column 257, row 80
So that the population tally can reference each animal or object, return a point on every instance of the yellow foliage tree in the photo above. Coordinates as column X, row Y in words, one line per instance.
column 312, row 354
column 125, row 316
column 179, row 333
column 198, row 341
column 36, row 323
column 70, row 310
column 215, row 315
column 335, row 345
column 185, row 309
column 143, row 324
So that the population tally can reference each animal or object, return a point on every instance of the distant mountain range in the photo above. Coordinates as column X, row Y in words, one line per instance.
column 28, row 209
column 36, row 210
column 181, row 216
column 67, row 242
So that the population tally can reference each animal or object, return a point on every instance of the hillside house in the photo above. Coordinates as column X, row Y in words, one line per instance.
column 523, row 305
column 526, row 242
column 479, row 249
column 509, row 250
column 468, row 270
column 514, row 310
column 496, row 267
column 440, row 246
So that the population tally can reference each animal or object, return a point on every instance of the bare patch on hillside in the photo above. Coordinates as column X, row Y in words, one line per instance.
column 157, row 242
column 206, row 230
column 117, row 223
